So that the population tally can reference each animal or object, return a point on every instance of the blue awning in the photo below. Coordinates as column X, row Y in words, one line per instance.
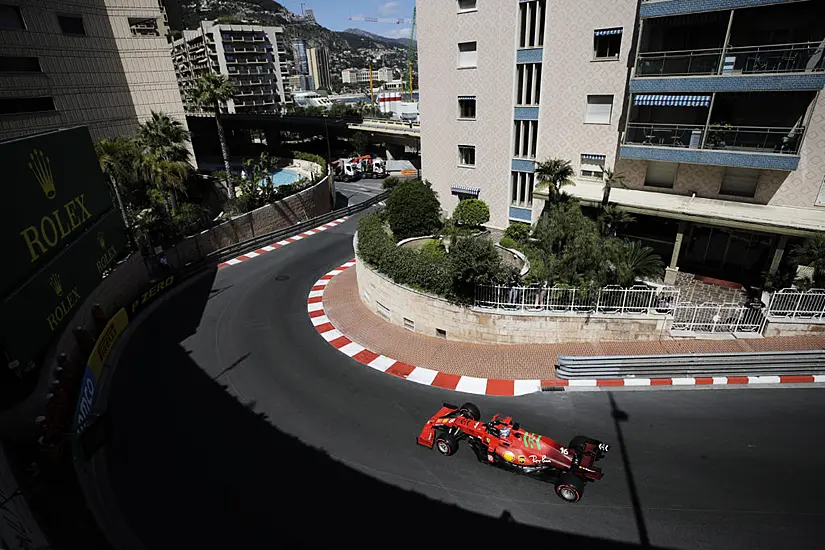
column 605, row 32
column 465, row 190
column 593, row 157
column 659, row 100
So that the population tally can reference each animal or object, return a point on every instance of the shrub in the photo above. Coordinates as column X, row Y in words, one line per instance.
column 433, row 248
column 300, row 155
column 190, row 218
column 472, row 212
column 473, row 261
column 390, row 182
column 375, row 245
column 508, row 242
column 413, row 210
column 517, row 231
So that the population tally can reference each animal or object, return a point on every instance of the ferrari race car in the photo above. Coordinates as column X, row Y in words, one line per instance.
column 504, row 443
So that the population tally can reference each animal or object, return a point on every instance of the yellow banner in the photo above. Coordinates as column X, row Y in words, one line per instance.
column 114, row 328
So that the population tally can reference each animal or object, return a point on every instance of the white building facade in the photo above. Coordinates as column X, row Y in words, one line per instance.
column 104, row 64
column 249, row 55
column 362, row 76
column 711, row 110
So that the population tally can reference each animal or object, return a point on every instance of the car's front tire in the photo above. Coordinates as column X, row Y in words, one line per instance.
column 570, row 487
column 470, row 411
column 446, row 444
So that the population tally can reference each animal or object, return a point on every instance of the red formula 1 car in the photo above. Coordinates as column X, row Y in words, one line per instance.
column 504, row 443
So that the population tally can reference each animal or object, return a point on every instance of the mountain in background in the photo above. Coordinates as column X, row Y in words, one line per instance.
column 349, row 48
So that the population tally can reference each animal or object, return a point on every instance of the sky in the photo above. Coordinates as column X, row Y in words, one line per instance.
column 335, row 14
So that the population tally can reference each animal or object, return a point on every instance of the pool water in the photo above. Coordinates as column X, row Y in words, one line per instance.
column 284, row 177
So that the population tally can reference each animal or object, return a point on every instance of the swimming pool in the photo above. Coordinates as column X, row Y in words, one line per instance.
column 284, row 176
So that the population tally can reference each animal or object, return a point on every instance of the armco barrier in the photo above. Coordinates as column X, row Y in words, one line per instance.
column 704, row 364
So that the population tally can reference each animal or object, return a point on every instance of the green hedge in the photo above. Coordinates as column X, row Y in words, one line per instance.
column 471, row 212
column 413, row 209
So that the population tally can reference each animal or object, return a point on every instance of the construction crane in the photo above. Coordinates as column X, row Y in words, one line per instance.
column 397, row 21
column 411, row 48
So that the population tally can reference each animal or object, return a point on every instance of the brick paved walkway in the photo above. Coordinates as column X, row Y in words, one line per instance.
column 507, row 361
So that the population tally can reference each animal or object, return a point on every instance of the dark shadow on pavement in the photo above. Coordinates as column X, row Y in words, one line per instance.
column 193, row 467
column 341, row 201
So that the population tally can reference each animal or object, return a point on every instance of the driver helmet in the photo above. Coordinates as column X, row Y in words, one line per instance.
column 505, row 431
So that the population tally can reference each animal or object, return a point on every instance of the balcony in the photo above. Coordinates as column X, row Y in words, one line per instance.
column 776, row 39
column 750, row 129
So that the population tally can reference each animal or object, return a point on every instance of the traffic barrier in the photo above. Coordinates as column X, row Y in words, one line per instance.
column 807, row 362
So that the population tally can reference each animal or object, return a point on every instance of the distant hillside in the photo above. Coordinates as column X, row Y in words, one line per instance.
column 378, row 38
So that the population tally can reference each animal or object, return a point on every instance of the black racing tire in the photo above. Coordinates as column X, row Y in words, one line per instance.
column 570, row 487
column 470, row 410
column 578, row 442
column 446, row 444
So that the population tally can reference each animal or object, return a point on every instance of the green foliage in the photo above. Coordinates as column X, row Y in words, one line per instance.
column 631, row 260
column 413, row 209
column 211, row 90
column 190, row 218
column 390, row 182
column 518, row 231
column 612, row 218
column 471, row 212
column 374, row 243
column 317, row 159
column 553, row 175
column 360, row 143
column 811, row 253
column 471, row 262
column 434, row 249
column 508, row 242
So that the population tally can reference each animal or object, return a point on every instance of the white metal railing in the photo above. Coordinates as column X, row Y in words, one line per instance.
column 798, row 304
column 717, row 318
column 638, row 300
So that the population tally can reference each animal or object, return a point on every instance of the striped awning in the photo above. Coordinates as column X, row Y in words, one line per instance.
column 605, row 32
column 466, row 97
column 659, row 100
column 592, row 157
column 465, row 190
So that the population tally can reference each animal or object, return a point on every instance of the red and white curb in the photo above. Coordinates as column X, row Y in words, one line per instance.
column 493, row 386
column 279, row 244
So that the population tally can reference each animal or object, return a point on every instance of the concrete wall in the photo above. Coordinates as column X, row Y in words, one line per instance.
column 429, row 313
column 782, row 326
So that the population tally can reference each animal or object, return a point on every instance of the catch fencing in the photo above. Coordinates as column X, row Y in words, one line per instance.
column 637, row 300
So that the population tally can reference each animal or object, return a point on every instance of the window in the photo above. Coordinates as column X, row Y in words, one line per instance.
column 591, row 166
column 531, row 24
column 466, row 107
column 607, row 43
column 13, row 64
column 525, row 138
column 467, row 155
column 739, row 182
column 11, row 18
column 521, row 192
column 71, row 24
column 466, row 5
column 599, row 109
column 661, row 174
column 15, row 105
column 144, row 26
column 528, row 84
column 467, row 55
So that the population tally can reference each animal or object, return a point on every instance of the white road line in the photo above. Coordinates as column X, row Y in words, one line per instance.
column 764, row 380
column 637, row 381
column 322, row 282
column 315, row 307
column 351, row 349
column 683, row 381
column 470, row 384
column 382, row 363
column 251, row 255
column 422, row 375
column 331, row 335
column 268, row 248
column 321, row 320
column 582, row 383
column 316, row 293
column 233, row 261
column 523, row 387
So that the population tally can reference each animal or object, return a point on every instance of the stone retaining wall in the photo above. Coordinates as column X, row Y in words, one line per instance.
column 783, row 326
column 427, row 314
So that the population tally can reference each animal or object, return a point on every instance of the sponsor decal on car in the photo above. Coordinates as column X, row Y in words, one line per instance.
column 509, row 456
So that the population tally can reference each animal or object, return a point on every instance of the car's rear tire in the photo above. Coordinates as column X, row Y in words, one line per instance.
column 446, row 444
column 470, row 411
column 570, row 487
column 578, row 442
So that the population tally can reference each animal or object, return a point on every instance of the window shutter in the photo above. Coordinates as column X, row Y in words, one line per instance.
column 740, row 182
column 599, row 108
column 661, row 174
column 467, row 54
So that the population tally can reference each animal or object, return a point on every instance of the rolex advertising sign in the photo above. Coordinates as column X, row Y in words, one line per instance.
column 54, row 192
column 40, row 310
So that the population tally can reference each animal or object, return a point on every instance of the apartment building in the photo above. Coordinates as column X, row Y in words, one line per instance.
column 249, row 55
column 318, row 60
column 710, row 110
column 362, row 76
column 99, row 63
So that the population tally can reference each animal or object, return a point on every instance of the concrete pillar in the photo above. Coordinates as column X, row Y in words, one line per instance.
column 778, row 252
column 673, row 269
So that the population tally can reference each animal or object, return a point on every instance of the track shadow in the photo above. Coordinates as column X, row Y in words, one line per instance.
column 193, row 467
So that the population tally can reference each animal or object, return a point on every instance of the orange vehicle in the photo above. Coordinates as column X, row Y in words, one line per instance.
column 504, row 443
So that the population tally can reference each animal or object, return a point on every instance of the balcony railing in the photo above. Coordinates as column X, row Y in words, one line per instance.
column 763, row 139
column 779, row 58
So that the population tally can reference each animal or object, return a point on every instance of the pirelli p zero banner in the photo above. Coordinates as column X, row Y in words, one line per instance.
column 39, row 311
column 55, row 191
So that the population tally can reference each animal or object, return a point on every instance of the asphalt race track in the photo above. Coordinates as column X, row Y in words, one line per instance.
column 236, row 426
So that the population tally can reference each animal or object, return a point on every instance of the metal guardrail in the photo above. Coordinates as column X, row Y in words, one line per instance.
column 798, row 304
column 706, row 364
column 263, row 240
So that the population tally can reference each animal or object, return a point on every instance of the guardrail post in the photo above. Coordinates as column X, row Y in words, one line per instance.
column 598, row 299
column 624, row 301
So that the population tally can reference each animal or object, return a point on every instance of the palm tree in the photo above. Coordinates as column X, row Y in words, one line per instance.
column 611, row 180
column 111, row 155
column 633, row 260
column 554, row 174
column 165, row 138
column 611, row 218
column 167, row 176
column 210, row 91
column 811, row 253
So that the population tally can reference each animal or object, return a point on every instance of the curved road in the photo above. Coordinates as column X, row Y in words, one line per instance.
column 236, row 426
